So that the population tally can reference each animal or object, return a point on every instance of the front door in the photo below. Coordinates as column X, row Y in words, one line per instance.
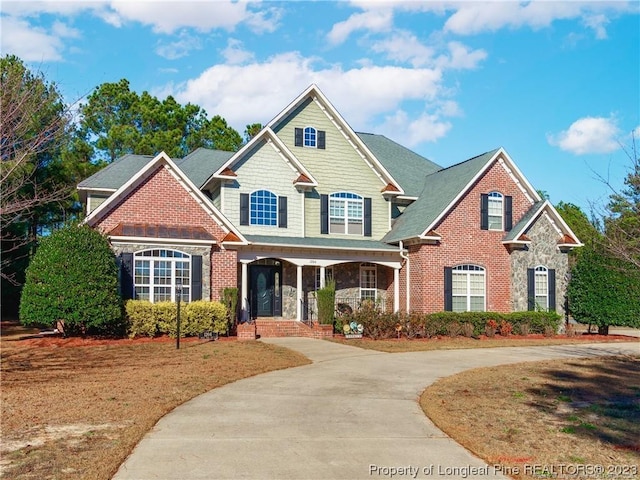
column 266, row 284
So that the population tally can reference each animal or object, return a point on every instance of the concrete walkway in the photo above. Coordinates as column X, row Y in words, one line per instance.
column 351, row 414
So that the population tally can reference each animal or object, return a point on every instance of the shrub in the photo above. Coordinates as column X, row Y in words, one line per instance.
column 142, row 322
column 202, row 316
column 490, row 328
column 524, row 329
column 73, row 278
column 454, row 328
column 505, row 328
column 230, row 301
column 413, row 325
column 327, row 303
column 467, row 329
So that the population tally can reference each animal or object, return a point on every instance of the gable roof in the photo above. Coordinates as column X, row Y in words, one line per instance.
column 225, row 169
column 517, row 233
column 313, row 92
column 201, row 163
column 144, row 173
column 443, row 189
column 116, row 174
column 406, row 166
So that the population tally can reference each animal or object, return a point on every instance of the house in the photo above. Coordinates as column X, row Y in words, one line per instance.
column 307, row 200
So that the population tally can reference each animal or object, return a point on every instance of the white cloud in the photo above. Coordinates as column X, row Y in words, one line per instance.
column 477, row 17
column 404, row 46
column 179, row 48
column 363, row 95
column 34, row 44
column 235, row 53
column 460, row 57
column 412, row 131
column 588, row 135
column 375, row 20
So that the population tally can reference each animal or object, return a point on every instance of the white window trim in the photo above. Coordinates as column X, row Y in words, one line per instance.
column 372, row 267
column 495, row 196
column 328, row 275
column 137, row 256
column 250, row 209
column 345, row 208
column 541, row 271
column 315, row 137
column 477, row 269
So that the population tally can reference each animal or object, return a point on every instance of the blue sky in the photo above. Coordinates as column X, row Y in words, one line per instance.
column 555, row 83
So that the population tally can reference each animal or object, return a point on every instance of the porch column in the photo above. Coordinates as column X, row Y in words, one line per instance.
column 244, row 291
column 299, row 293
column 396, row 290
column 322, row 269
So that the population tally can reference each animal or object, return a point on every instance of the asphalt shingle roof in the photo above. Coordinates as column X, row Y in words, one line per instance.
column 320, row 242
column 117, row 173
column 408, row 168
column 200, row 164
column 439, row 190
column 517, row 229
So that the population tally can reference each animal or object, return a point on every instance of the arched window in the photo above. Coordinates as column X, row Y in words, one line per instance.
column 496, row 211
column 263, row 208
column 158, row 272
column 468, row 288
column 310, row 137
column 542, row 287
column 346, row 213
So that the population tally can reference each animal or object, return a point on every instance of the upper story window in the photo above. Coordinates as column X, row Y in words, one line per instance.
column 346, row 213
column 495, row 211
column 158, row 272
column 263, row 208
column 309, row 137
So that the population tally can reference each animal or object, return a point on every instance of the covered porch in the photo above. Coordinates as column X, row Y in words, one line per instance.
column 279, row 280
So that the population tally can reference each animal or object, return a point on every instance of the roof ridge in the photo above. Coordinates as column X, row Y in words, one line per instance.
column 465, row 161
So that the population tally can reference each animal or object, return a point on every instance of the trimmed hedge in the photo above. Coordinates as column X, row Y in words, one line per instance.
column 152, row 319
column 379, row 325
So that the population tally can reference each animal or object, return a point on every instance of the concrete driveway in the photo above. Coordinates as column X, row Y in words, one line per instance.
column 352, row 414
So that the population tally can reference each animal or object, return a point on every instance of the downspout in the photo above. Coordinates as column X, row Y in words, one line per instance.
column 403, row 254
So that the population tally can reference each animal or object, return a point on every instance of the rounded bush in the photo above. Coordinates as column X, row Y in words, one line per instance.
column 73, row 279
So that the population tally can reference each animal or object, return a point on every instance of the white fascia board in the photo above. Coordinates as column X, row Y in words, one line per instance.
column 321, row 247
column 366, row 154
column 477, row 176
column 523, row 180
column 195, row 192
column 96, row 190
column 288, row 156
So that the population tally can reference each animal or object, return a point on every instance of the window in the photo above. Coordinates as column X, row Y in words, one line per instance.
column 310, row 137
column 157, row 272
column 263, row 208
column 542, row 287
column 345, row 213
column 468, row 288
column 328, row 276
column 368, row 281
column 495, row 211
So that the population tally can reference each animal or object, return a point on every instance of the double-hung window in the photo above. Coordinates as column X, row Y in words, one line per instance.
column 496, row 211
column 328, row 276
column 368, row 281
column 158, row 272
column 346, row 213
column 542, row 288
column 468, row 288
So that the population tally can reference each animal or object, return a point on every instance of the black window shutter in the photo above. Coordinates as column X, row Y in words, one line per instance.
column 448, row 289
column 324, row 214
column 531, row 289
column 126, row 275
column 298, row 137
column 282, row 212
column 367, row 217
column 321, row 139
column 508, row 215
column 552, row 289
column 484, row 211
column 244, row 209
column 196, row 277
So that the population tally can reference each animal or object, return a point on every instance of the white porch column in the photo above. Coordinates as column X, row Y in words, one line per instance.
column 299, row 293
column 245, row 291
column 322, row 280
column 396, row 290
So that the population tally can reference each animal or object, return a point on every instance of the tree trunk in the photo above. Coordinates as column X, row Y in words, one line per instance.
column 603, row 329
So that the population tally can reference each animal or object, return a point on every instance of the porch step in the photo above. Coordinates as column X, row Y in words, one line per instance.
column 291, row 328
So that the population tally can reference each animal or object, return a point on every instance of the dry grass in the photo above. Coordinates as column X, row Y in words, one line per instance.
column 76, row 412
column 553, row 413
column 447, row 343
